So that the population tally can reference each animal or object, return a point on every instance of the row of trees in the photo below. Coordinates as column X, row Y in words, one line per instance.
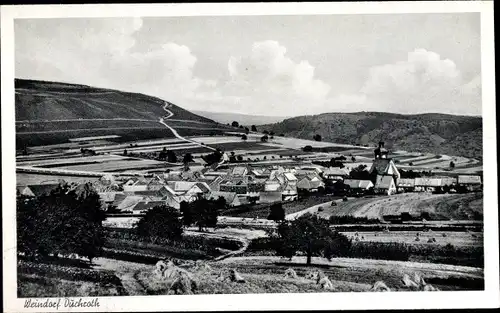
column 236, row 124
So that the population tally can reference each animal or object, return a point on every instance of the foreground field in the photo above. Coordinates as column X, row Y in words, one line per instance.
column 267, row 275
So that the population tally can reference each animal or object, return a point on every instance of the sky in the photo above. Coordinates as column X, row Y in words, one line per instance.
column 267, row 65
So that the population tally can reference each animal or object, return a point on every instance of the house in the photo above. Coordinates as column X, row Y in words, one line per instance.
column 406, row 184
column 128, row 203
column 335, row 173
column 289, row 192
column 231, row 198
column 469, row 180
column 239, row 171
column 261, row 173
column 290, row 178
column 270, row 196
column 215, row 184
column 384, row 166
column 385, row 184
column 42, row 190
column 272, row 185
column 310, row 183
column 427, row 183
column 25, row 191
column 107, row 198
column 358, row 185
column 237, row 184
column 143, row 206
column 135, row 184
column 188, row 187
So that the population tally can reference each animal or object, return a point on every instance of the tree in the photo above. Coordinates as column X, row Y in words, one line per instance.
column 247, row 131
column 264, row 138
column 307, row 148
column 187, row 214
column 125, row 152
column 202, row 212
column 452, row 164
column 239, row 158
column 171, row 157
column 310, row 235
column 244, row 137
column 277, row 212
column 254, row 129
column 235, row 124
column 360, row 172
column 266, row 132
column 160, row 222
column 317, row 137
column 282, row 135
column 68, row 220
column 214, row 157
column 353, row 159
column 188, row 158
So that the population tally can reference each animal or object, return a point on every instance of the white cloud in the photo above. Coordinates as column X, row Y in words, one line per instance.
column 274, row 82
column 423, row 83
column 100, row 52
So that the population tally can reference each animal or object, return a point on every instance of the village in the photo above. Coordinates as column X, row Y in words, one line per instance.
column 253, row 184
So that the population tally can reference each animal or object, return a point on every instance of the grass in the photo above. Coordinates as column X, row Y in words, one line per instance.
column 439, row 207
column 255, row 283
column 243, row 145
column 148, row 131
column 53, row 280
column 262, row 210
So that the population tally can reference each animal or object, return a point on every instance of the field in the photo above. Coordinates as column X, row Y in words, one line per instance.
column 266, row 275
column 23, row 179
column 444, row 206
column 65, row 280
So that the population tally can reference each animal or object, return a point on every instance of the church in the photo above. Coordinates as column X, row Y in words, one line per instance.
column 384, row 171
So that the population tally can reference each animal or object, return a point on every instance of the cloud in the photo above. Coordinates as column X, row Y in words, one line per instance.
column 273, row 80
column 102, row 52
column 423, row 83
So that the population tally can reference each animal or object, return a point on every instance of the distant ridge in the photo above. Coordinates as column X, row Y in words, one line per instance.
column 429, row 132
column 244, row 119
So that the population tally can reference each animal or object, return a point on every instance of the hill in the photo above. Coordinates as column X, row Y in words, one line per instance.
column 243, row 119
column 52, row 113
column 435, row 133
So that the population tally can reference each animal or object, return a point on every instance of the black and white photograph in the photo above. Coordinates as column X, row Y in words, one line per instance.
column 230, row 152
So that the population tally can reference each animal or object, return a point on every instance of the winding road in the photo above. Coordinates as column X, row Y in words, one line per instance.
column 176, row 134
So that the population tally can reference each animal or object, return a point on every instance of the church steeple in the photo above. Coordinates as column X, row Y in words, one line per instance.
column 381, row 152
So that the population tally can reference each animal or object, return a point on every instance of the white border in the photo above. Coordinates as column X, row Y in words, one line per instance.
column 402, row 300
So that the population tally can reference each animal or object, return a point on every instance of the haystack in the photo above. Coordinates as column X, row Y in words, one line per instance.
column 430, row 288
column 184, row 284
column 380, row 286
column 231, row 275
column 409, row 283
column 290, row 273
column 418, row 279
column 311, row 275
column 325, row 283
column 202, row 267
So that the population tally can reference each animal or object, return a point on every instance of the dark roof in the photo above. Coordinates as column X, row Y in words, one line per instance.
column 383, row 182
column 143, row 205
column 39, row 190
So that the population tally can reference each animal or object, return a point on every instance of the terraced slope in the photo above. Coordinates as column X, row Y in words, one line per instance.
column 52, row 113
